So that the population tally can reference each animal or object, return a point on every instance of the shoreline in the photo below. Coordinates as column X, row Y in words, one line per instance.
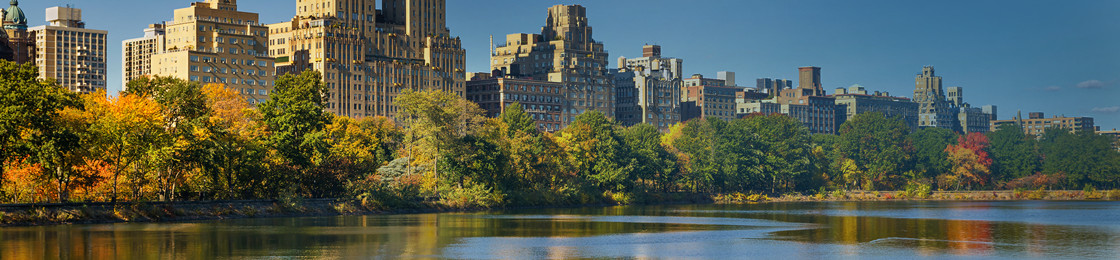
column 24, row 215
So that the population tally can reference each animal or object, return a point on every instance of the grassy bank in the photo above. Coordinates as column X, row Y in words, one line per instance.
column 74, row 213
column 89, row 213
column 1003, row 195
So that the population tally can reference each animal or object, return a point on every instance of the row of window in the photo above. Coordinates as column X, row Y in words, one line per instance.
column 261, row 63
column 209, row 79
column 208, row 69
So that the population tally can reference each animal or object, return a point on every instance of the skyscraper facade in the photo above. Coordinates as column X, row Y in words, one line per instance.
column 933, row 108
column 647, row 89
column 67, row 52
column 565, row 52
column 213, row 42
column 136, row 54
column 367, row 56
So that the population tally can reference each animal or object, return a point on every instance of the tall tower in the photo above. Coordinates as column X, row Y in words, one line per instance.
column 810, row 78
column 564, row 52
column 933, row 109
column 367, row 56
column 68, row 52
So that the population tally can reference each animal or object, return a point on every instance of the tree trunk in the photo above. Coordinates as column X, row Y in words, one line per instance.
column 61, row 184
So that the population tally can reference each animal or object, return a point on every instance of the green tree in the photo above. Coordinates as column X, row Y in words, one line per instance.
column 930, row 159
column 786, row 145
column 294, row 117
column 1014, row 153
column 878, row 149
column 30, row 114
column 654, row 167
column 1084, row 157
column 535, row 164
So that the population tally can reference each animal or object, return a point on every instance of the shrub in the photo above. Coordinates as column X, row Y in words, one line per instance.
column 1038, row 194
column 1114, row 195
column 839, row 194
column 918, row 191
column 472, row 196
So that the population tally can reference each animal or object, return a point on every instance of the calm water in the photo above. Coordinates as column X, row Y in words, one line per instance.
column 1007, row 230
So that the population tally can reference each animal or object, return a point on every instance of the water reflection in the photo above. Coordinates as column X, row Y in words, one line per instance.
column 936, row 229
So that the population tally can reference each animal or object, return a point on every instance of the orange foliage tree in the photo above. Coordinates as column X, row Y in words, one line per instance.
column 122, row 128
column 970, row 161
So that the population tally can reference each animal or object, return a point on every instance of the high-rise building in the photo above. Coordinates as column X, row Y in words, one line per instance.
column 708, row 98
column 136, row 54
column 807, row 103
column 973, row 119
column 647, row 89
column 565, row 52
column 16, row 43
column 1038, row 124
column 728, row 77
column 933, row 108
column 213, row 42
column 991, row 110
column 856, row 100
column 773, row 86
column 700, row 80
column 67, row 52
column 956, row 96
column 808, row 86
column 542, row 100
column 368, row 57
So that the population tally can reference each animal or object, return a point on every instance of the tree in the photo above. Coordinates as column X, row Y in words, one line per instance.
column 930, row 158
column 357, row 148
column 294, row 118
column 30, row 113
column 716, row 156
column 1014, row 154
column 180, row 149
column 596, row 152
column 433, row 120
column 234, row 159
column 969, row 160
column 878, row 148
column 653, row 165
column 786, row 145
column 1083, row 157
column 121, row 130
column 535, row 171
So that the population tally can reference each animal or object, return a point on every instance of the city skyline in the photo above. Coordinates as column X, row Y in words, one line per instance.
column 1033, row 56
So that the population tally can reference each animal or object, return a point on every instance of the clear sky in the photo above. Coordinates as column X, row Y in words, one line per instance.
column 1058, row 57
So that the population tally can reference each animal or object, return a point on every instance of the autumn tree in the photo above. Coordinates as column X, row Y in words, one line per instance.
column 433, row 120
column 179, row 150
column 121, row 130
column 596, row 152
column 969, row 160
column 30, row 115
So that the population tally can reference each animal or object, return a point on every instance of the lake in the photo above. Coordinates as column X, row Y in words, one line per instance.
column 891, row 230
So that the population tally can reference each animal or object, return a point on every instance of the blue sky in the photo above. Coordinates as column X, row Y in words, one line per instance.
column 1058, row 57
